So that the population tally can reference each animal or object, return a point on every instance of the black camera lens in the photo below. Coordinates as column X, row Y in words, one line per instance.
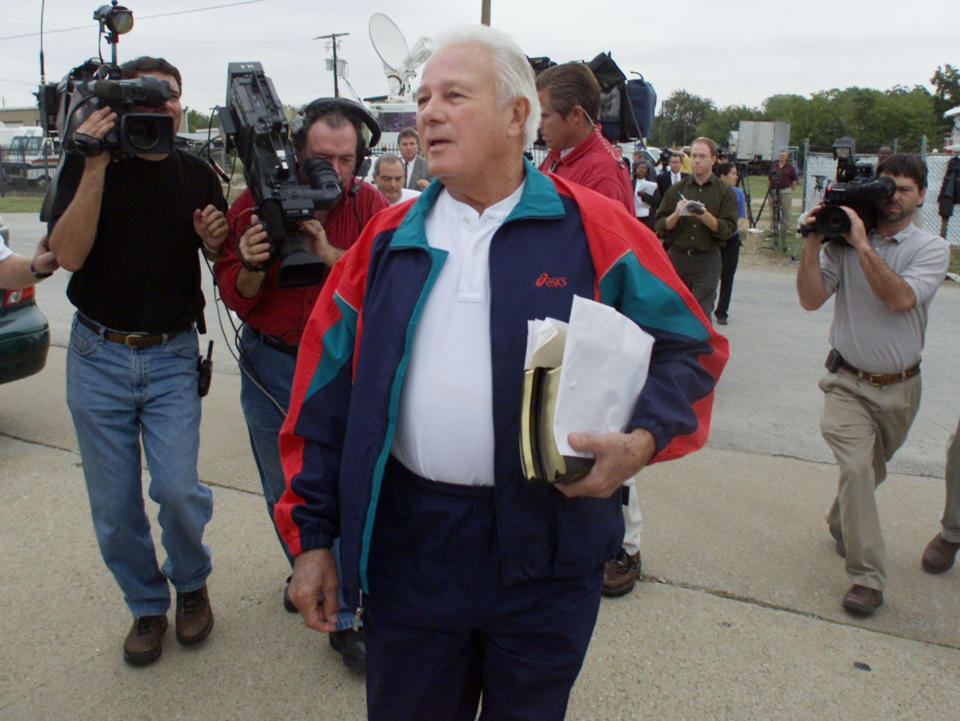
column 832, row 221
column 142, row 134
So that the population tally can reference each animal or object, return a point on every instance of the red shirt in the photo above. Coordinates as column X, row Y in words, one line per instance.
column 594, row 165
column 283, row 312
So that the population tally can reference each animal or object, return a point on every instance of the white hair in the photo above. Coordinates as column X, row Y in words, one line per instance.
column 513, row 74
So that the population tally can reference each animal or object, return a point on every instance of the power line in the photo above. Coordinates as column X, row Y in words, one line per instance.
column 145, row 17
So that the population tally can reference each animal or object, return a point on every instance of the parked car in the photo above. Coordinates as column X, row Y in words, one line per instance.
column 24, row 333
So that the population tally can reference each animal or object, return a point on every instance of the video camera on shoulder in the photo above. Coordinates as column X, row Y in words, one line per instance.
column 96, row 84
column 857, row 188
column 253, row 123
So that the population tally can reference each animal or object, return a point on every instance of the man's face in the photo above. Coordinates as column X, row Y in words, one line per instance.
column 408, row 148
column 732, row 177
column 389, row 180
column 338, row 146
column 904, row 202
column 701, row 160
column 171, row 106
column 674, row 163
column 559, row 133
column 466, row 136
column 783, row 157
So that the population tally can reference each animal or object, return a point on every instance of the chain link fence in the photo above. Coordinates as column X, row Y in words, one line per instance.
column 821, row 169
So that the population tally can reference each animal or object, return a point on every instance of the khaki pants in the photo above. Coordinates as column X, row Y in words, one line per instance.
column 951, row 511
column 786, row 208
column 864, row 425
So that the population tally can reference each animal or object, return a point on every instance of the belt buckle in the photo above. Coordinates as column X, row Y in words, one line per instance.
column 134, row 341
column 876, row 379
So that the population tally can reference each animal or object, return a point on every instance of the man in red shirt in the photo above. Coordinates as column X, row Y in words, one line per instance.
column 274, row 317
column 570, row 100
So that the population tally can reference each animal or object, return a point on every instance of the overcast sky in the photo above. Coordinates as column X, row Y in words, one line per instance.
column 738, row 52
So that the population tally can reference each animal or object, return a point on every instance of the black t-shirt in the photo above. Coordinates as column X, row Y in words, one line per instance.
column 143, row 273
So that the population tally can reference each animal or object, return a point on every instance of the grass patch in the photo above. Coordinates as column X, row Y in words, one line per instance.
column 20, row 203
column 954, row 259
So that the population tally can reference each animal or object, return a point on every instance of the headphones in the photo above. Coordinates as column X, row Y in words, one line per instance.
column 353, row 111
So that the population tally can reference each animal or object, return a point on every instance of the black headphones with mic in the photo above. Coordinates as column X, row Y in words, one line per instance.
column 355, row 113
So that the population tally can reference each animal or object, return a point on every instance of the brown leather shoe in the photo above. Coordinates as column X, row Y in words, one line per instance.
column 144, row 641
column 939, row 555
column 620, row 574
column 841, row 546
column 194, row 616
column 862, row 600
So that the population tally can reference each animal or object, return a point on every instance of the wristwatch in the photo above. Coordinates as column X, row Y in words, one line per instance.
column 38, row 275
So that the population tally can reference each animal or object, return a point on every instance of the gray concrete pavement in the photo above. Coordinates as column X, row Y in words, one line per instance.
column 738, row 617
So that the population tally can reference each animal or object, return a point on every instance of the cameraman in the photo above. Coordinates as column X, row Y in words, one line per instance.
column 129, row 229
column 274, row 317
column 783, row 180
column 884, row 281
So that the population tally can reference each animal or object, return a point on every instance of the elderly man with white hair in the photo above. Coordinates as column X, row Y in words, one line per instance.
column 402, row 434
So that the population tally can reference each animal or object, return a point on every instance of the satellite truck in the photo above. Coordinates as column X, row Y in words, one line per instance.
column 398, row 109
column 759, row 141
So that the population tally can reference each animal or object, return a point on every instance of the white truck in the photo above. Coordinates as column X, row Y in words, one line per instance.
column 27, row 156
column 761, row 140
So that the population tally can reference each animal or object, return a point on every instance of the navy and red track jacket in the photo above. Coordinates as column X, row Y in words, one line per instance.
column 354, row 354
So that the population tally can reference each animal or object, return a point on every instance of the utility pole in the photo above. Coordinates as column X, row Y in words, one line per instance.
column 332, row 37
column 485, row 12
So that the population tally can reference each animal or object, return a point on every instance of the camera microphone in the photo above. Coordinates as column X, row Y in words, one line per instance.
column 146, row 90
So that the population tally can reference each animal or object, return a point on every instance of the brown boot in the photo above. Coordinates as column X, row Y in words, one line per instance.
column 620, row 574
column 194, row 616
column 862, row 600
column 144, row 641
column 939, row 555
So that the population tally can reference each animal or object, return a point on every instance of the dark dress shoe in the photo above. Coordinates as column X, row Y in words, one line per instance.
column 620, row 574
column 194, row 616
column 939, row 555
column 841, row 547
column 144, row 641
column 721, row 320
column 351, row 647
column 862, row 600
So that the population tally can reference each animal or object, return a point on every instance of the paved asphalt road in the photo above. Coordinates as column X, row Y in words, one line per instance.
column 738, row 616
column 767, row 402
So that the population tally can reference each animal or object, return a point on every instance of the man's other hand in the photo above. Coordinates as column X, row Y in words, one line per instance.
column 619, row 456
column 44, row 260
column 211, row 225
column 253, row 245
column 313, row 589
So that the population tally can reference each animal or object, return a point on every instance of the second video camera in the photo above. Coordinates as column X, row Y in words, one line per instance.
column 857, row 189
column 95, row 85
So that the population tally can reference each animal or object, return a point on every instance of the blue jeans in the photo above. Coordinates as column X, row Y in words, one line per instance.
column 119, row 397
column 272, row 369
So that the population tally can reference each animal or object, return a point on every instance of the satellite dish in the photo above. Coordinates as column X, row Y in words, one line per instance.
column 399, row 63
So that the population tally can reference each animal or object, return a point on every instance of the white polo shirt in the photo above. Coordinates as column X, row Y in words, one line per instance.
column 445, row 418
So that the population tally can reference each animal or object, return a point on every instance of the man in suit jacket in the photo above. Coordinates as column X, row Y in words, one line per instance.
column 671, row 175
column 414, row 164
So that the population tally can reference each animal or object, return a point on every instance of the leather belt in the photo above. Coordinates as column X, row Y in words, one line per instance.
column 135, row 341
column 881, row 379
column 692, row 251
column 281, row 345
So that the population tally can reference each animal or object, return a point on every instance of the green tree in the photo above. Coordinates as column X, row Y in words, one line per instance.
column 200, row 121
column 720, row 121
column 946, row 81
column 679, row 118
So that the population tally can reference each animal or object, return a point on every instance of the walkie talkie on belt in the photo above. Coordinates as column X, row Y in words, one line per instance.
column 205, row 371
